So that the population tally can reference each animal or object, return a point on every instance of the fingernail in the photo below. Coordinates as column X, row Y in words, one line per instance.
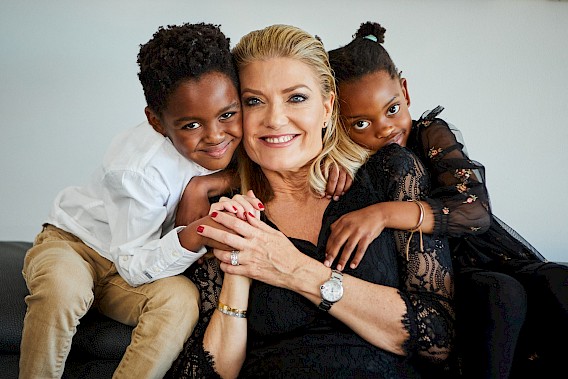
column 328, row 196
column 353, row 265
column 234, row 208
column 339, row 267
column 214, row 214
column 336, row 198
column 327, row 264
column 261, row 206
column 251, row 215
column 200, row 229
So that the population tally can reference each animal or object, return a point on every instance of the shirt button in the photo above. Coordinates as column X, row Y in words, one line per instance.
column 175, row 254
column 125, row 258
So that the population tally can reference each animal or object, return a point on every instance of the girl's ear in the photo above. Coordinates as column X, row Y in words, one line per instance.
column 405, row 93
column 154, row 120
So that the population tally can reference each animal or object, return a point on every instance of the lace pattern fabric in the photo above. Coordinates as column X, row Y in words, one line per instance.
column 288, row 334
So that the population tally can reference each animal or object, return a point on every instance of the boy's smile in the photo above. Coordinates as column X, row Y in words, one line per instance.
column 203, row 120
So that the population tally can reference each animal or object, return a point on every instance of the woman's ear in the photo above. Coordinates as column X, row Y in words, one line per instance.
column 404, row 86
column 328, row 108
column 154, row 120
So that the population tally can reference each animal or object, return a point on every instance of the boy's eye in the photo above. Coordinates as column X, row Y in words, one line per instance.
column 191, row 125
column 252, row 101
column 361, row 124
column 393, row 110
column 226, row 116
column 298, row 98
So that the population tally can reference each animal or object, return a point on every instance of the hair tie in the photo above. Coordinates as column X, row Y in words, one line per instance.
column 371, row 38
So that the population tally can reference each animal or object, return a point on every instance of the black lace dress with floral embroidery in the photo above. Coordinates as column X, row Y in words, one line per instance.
column 460, row 200
column 288, row 337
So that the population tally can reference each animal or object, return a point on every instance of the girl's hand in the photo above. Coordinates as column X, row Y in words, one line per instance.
column 353, row 231
column 338, row 183
column 240, row 205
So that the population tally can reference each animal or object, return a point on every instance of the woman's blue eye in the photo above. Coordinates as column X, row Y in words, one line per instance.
column 251, row 101
column 393, row 110
column 298, row 98
column 362, row 124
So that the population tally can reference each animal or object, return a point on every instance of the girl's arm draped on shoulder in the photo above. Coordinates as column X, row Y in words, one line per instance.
column 425, row 268
column 459, row 196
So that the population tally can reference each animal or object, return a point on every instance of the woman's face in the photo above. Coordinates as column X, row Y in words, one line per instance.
column 283, row 113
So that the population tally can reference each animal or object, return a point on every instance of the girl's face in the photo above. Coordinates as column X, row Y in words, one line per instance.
column 203, row 120
column 283, row 113
column 375, row 111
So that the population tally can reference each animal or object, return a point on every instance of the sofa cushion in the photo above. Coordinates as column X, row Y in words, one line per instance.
column 97, row 336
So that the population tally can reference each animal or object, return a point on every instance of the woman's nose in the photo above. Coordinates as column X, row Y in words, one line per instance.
column 276, row 116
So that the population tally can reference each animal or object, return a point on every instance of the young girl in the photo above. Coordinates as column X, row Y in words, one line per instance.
column 499, row 276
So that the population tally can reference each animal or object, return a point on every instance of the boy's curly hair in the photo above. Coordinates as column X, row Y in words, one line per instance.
column 178, row 53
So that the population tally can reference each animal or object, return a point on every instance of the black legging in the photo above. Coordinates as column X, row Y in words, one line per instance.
column 490, row 312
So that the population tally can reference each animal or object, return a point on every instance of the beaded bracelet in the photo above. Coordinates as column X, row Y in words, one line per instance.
column 234, row 312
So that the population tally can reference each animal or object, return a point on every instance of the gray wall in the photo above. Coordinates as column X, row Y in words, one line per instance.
column 68, row 84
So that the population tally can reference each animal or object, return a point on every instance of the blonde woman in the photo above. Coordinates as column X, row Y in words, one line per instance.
column 280, row 311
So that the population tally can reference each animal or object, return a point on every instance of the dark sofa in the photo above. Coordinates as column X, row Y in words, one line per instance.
column 97, row 347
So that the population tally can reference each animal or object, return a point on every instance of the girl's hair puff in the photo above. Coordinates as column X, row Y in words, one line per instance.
column 285, row 41
column 364, row 55
column 176, row 54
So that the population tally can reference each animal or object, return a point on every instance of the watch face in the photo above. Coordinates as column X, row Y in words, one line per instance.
column 332, row 290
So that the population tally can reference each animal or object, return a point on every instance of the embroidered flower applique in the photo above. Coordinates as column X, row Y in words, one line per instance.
column 434, row 152
column 446, row 210
column 463, row 174
column 470, row 199
column 461, row 187
column 426, row 123
column 474, row 228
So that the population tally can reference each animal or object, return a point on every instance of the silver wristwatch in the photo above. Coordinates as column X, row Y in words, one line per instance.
column 331, row 290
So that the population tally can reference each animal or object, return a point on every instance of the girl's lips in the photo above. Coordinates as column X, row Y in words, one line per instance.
column 395, row 138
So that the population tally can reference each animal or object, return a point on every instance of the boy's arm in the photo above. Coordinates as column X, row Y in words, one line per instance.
column 194, row 202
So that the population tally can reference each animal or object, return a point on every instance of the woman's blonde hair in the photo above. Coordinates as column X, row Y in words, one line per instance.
column 285, row 41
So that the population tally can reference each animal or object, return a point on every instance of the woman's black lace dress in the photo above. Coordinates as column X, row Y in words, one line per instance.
column 289, row 337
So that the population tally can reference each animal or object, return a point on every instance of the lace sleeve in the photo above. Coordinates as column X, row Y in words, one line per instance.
column 193, row 361
column 459, row 197
column 426, row 273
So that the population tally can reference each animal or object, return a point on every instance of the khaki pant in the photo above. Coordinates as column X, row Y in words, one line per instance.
column 65, row 278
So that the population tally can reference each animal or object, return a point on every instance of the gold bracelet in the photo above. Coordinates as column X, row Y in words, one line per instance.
column 234, row 312
column 420, row 218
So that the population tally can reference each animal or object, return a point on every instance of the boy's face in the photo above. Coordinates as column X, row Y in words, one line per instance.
column 375, row 110
column 203, row 120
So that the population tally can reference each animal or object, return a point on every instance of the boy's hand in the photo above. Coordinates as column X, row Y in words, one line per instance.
column 338, row 183
column 194, row 203
column 355, row 230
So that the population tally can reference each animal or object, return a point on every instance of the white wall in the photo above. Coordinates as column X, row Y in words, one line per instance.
column 68, row 80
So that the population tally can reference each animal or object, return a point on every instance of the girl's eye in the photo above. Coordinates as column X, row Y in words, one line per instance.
column 298, row 98
column 393, row 110
column 191, row 126
column 252, row 101
column 361, row 124
column 226, row 116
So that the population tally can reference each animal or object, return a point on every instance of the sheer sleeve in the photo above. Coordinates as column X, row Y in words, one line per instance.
column 426, row 269
column 459, row 197
column 193, row 361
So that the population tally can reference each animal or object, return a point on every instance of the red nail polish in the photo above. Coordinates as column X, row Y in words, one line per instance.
column 260, row 205
column 251, row 215
column 234, row 208
column 214, row 214
column 200, row 229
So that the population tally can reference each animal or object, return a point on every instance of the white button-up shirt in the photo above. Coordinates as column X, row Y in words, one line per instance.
column 127, row 210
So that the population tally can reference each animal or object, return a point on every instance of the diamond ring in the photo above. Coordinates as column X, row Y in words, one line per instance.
column 235, row 257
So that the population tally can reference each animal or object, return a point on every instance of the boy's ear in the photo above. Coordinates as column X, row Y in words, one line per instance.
column 405, row 93
column 154, row 120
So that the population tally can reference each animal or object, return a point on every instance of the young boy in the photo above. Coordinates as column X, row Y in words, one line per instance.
column 112, row 243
